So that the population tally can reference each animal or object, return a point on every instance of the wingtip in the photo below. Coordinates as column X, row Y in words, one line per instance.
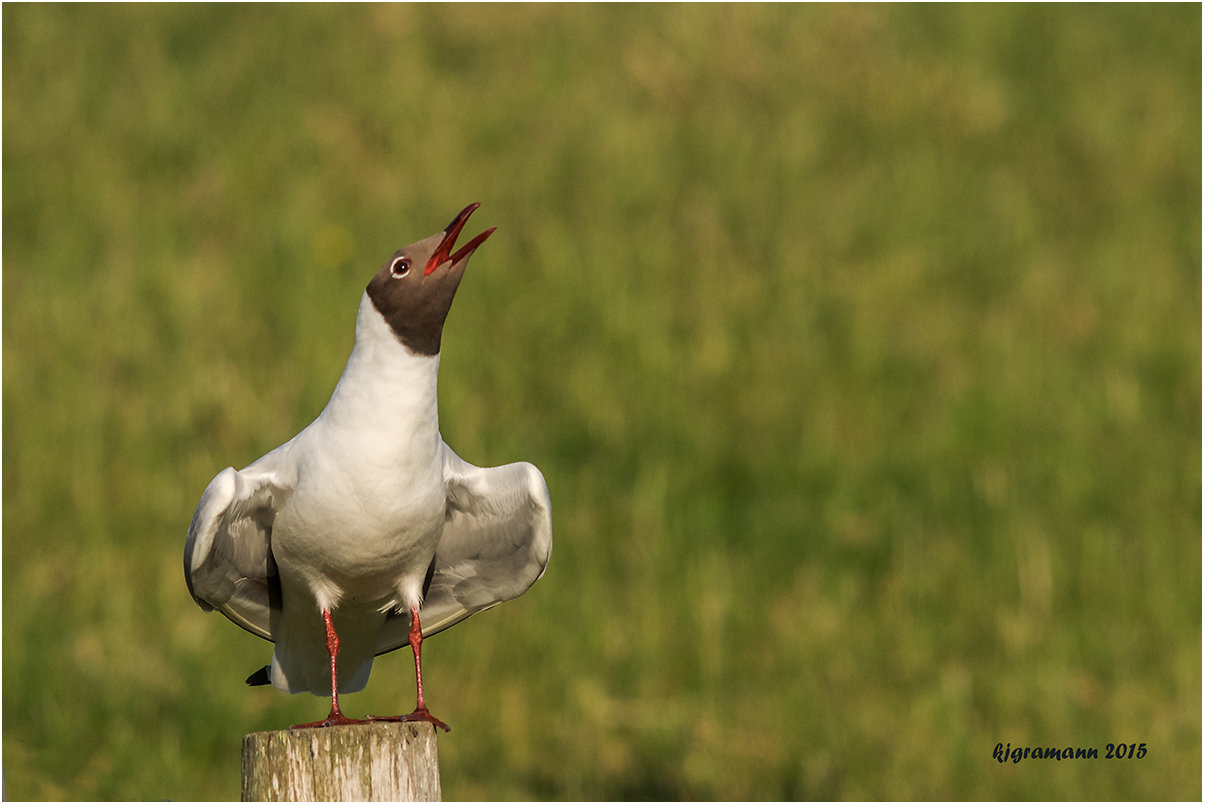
column 261, row 677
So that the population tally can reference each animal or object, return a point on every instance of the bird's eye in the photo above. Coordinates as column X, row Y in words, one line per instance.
column 400, row 267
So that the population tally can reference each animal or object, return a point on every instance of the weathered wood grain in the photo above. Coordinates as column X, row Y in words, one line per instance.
column 365, row 763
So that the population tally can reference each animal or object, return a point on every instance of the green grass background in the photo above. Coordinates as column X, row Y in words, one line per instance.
column 860, row 347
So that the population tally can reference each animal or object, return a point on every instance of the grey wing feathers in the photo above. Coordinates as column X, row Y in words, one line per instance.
column 228, row 559
column 496, row 542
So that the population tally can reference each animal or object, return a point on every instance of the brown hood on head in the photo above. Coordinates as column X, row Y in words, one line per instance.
column 413, row 291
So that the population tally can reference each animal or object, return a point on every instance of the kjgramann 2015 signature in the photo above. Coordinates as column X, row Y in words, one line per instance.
column 1005, row 752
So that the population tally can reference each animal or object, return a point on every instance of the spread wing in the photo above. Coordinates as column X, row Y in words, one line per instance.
column 228, row 561
column 496, row 541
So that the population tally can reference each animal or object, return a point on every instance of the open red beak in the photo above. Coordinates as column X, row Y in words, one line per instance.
column 446, row 245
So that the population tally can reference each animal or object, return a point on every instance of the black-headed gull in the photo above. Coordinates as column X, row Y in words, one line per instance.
column 365, row 532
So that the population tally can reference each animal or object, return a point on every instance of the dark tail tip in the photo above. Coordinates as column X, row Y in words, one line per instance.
column 260, row 677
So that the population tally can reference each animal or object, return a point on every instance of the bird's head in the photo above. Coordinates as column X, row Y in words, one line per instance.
column 413, row 291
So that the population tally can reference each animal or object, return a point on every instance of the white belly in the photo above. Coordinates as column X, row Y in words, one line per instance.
column 360, row 534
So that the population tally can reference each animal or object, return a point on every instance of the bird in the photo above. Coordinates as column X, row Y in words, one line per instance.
column 365, row 532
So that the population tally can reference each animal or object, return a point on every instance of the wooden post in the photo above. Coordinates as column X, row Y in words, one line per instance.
column 376, row 762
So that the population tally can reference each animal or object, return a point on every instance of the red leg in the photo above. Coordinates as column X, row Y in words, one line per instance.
column 336, row 718
column 420, row 712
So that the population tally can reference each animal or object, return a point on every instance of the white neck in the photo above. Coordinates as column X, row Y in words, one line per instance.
column 385, row 389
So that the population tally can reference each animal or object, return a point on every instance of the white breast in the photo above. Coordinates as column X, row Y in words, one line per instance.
column 369, row 502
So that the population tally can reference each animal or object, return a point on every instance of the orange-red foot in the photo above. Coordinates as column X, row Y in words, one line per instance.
column 421, row 714
column 335, row 719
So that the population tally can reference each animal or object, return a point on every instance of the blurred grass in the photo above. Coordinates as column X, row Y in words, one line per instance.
column 860, row 348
